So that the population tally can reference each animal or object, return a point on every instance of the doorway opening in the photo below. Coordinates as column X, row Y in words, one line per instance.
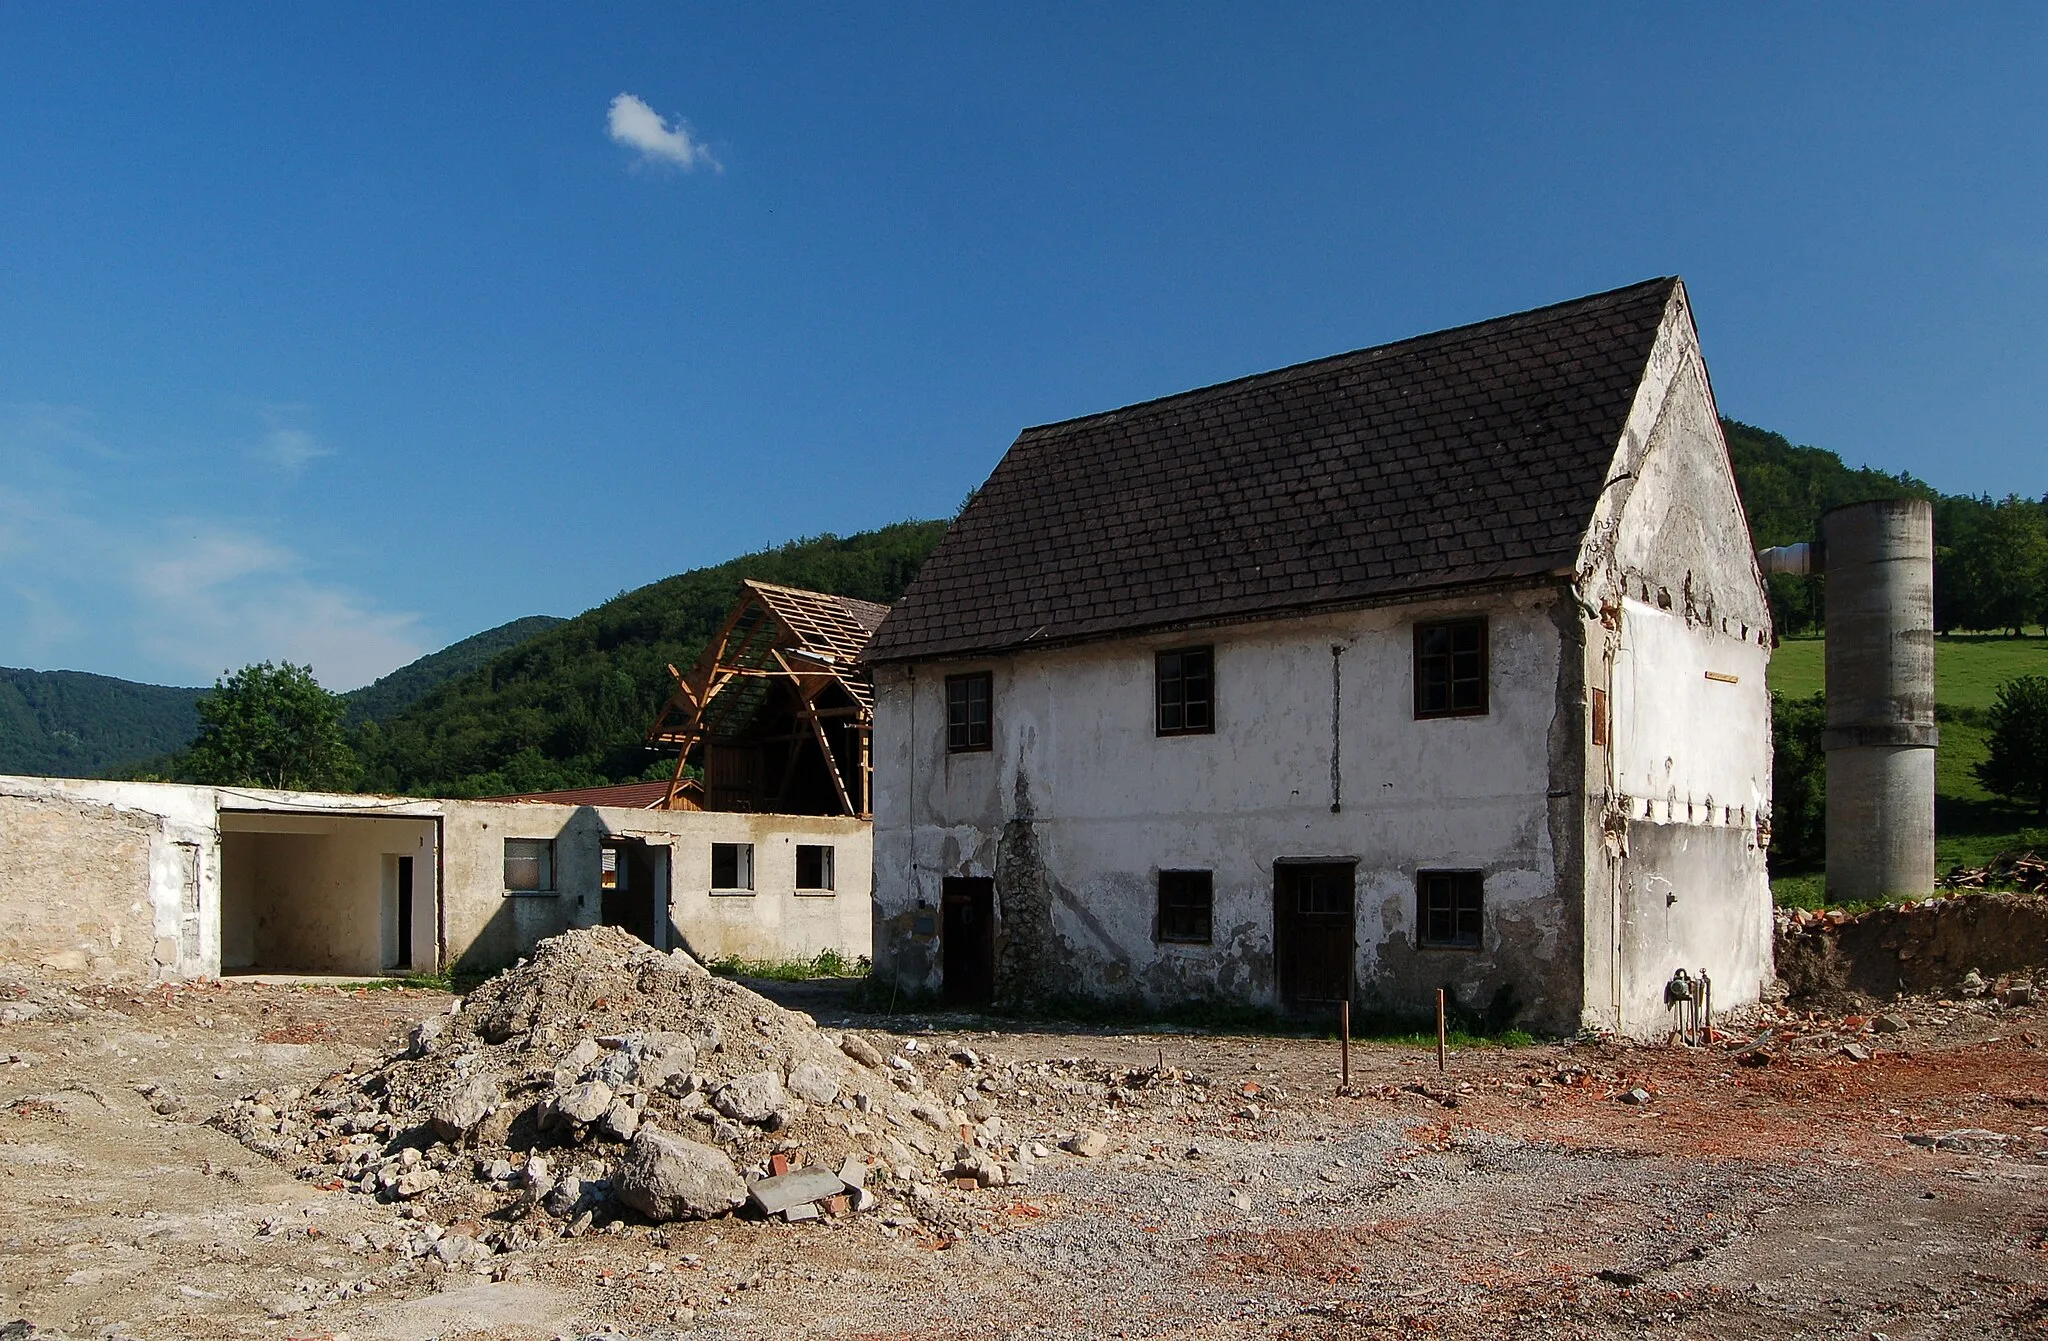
column 967, row 937
column 403, row 919
column 633, row 887
column 319, row 892
column 1313, row 935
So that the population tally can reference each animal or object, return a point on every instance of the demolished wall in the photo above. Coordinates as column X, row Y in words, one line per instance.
column 1925, row 946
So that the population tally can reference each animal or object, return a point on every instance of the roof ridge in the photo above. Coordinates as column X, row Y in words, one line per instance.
column 1470, row 328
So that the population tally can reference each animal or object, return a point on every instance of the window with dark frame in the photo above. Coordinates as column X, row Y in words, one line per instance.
column 813, row 868
column 1186, row 901
column 529, row 865
column 967, row 711
column 1450, row 668
column 1450, row 908
column 1186, row 682
column 732, row 867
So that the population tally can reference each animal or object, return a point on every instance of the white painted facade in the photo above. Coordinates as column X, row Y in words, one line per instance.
column 1608, row 863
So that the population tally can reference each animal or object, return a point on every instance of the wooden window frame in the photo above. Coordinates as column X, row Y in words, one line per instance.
column 1457, row 884
column 960, row 724
column 1423, row 630
column 1168, row 930
column 1181, row 702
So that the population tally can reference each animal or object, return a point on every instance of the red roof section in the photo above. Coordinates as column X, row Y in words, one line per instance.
column 624, row 796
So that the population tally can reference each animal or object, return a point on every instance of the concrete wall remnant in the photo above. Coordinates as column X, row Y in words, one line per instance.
column 124, row 880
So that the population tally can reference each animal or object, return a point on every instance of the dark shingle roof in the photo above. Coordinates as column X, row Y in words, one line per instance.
column 1470, row 455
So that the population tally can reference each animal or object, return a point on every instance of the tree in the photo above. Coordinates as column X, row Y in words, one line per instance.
column 270, row 726
column 2018, row 765
column 2003, row 564
column 1799, row 782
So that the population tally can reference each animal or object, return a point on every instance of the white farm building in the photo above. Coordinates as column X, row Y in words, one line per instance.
column 1437, row 664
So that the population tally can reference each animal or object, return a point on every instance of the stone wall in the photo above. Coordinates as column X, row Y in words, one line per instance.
column 75, row 888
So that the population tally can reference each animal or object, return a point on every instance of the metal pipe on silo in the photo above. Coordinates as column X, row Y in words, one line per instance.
column 1881, row 736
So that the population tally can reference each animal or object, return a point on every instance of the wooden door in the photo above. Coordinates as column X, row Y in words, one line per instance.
column 1313, row 931
column 967, row 938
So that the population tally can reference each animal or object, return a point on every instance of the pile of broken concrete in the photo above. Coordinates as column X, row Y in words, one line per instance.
column 604, row 1077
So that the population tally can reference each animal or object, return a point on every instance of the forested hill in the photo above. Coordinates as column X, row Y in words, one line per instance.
column 68, row 724
column 569, row 707
column 71, row 724
column 1991, row 555
column 396, row 692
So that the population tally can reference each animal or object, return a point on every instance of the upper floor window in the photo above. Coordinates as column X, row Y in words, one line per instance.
column 1450, row 668
column 967, row 711
column 1186, row 683
column 529, row 865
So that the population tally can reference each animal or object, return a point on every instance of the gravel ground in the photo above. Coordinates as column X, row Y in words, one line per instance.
column 1518, row 1194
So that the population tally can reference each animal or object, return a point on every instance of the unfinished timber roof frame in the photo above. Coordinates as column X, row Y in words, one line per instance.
column 781, row 637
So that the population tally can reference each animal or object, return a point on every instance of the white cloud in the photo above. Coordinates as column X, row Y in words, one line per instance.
column 291, row 448
column 286, row 445
column 638, row 126
column 96, row 575
column 220, row 598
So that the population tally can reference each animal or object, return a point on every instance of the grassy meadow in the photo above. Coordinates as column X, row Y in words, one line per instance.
column 1971, row 826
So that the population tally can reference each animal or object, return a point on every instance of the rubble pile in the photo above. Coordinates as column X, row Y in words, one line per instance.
column 2023, row 871
column 604, row 1077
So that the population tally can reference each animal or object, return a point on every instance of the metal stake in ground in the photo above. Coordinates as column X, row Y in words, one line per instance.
column 1344, row 1042
column 1439, row 1029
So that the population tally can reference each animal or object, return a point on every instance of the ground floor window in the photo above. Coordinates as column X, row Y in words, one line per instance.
column 1450, row 908
column 529, row 865
column 1186, row 902
column 732, row 867
column 813, row 868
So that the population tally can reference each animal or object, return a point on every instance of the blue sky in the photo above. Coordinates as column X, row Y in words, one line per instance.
column 338, row 333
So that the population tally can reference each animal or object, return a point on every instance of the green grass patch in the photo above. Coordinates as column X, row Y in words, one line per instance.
column 441, row 980
column 1968, row 667
column 828, row 964
column 1971, row 826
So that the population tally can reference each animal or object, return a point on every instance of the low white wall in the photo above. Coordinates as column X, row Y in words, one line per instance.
column 488, row 927
column 125, row 880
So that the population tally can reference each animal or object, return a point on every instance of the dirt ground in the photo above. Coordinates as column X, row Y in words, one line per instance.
column 1520, row 1193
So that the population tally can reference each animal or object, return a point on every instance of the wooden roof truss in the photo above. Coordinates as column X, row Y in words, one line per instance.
column 780, row 638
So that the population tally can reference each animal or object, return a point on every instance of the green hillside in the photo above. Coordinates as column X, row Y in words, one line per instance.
column 69, row 724
column 569, row 707
column 396, row 692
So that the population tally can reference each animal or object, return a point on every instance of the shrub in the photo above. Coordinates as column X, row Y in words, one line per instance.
column 2017, row 767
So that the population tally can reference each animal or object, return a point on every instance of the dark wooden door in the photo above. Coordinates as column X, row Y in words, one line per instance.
column 968, row 938
column 1312, row 931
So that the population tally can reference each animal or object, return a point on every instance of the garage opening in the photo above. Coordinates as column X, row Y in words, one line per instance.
column 328, row 894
